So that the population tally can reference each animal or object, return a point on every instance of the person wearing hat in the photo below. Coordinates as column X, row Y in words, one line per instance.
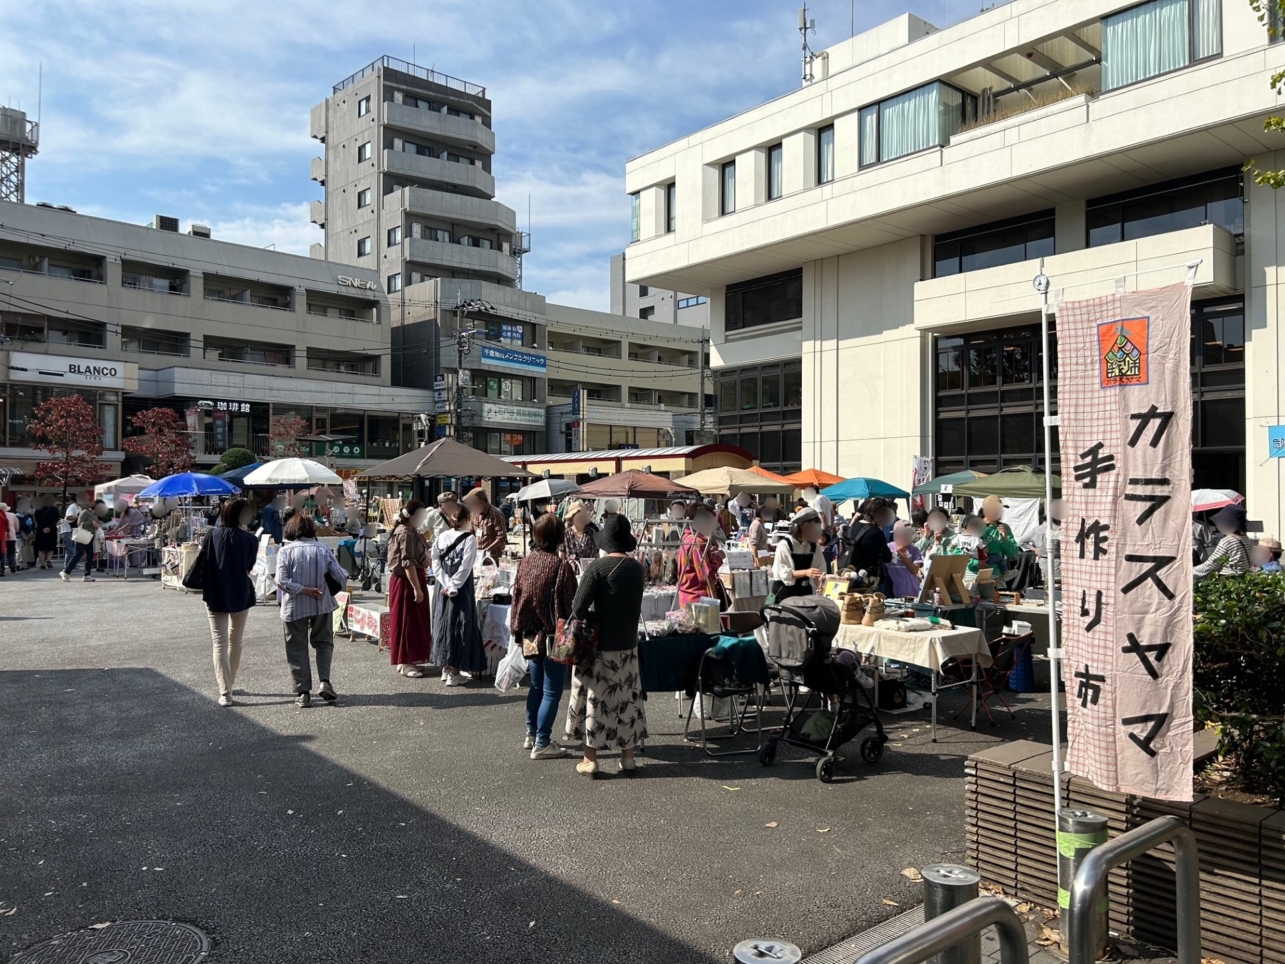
column 606, row 709
column 489, row 524
column 1230, row 557
column 578, row 542
column 699, row 558
column 1001, row 548
column 437, row 522
column 1266, row 556
column 799, row 565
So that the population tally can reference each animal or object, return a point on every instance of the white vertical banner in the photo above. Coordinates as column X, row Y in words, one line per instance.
column 921, row 472
column 1124, row 407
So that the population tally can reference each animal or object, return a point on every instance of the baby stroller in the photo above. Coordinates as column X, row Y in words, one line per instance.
column 797, row 638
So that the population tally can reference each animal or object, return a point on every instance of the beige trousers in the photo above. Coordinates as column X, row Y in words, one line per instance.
column 226, row 628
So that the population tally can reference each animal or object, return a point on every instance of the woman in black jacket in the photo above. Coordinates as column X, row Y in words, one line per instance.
column 867, row 546
column 230, row 553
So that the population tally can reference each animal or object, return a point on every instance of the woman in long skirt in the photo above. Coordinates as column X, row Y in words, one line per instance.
column 457, row 635
column 410, row 631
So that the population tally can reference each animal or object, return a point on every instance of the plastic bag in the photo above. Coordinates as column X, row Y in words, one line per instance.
column 513, row 666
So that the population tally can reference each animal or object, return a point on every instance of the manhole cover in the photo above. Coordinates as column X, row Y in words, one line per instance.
column 125, row 942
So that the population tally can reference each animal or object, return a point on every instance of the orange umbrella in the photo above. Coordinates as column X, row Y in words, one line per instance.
column 813, row 477
column 770, row 476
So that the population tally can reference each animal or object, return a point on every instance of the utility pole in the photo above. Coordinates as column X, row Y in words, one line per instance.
column 704, row 348
column 463, row 348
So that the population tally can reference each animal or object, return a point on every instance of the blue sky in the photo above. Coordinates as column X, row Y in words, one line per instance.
column 200, row 110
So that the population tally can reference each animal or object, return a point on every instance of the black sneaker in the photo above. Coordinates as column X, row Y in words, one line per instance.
column 327, row 692
column 304, row 700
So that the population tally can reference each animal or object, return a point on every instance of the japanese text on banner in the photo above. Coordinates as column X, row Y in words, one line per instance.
column 1124, row 405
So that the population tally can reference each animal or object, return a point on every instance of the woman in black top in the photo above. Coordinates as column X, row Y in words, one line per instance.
column 606, row 709
column 230, row 553
column 866, row 546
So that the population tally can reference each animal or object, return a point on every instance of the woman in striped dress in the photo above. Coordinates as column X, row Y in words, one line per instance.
column 1230, row 557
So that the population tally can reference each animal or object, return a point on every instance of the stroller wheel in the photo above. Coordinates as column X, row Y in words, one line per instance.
column 365, row 583
column 872, row 749
column 767, row 755
column 825, row 770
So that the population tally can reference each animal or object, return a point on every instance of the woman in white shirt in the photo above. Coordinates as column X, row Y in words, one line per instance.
column 799, row 565
column 457, row 635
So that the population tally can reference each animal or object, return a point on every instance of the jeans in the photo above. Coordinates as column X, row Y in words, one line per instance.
column 226, row 629
column 320, row 631
column 68, row 545
column 11, row 556
column 80, row 549
column 547, row 681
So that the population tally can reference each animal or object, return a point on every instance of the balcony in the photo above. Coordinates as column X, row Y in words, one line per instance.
column 1005, row 291
column 317, row 213
column 458, row 257
column 318, row 170
column 467, row 179
column 456, row 208
column 439, row 126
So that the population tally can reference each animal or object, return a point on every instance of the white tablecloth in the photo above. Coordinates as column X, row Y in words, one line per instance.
column 495, row 624
column 928, row 650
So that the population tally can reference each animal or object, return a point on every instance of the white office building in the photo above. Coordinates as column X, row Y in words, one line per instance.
column 868, row 241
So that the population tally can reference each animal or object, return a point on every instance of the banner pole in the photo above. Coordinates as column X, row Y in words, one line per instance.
column 1041, row 283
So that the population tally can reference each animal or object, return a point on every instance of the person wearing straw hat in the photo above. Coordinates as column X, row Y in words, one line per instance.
column 578, row 543
column 1266, row 556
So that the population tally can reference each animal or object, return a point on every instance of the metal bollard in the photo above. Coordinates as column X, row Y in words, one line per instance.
column 946, row 887
column 1078, row 832
column 765, row 950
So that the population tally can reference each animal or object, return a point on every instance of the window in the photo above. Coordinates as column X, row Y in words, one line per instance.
column 437, row 234
column 363, row 198
column 727, row 189
column 498, row 386
column 506, row 332
column 691, row 302
column 395, row 235
column 153, row 341
column 1213, row 198
column 363, row 152
column 646, row 314
column 249, row 352
column 1157, row 37
column 825, row 155
column 990, row 245
column 643, row 291
column 775, row 171
column 635, row 216
column 914, row 121
column 458, row 158
column 348, row 363
column 70, row 331
column 751, row 414
column 469, row 241
column 394, row 282
column 671, row 206
column 1275, row 24
column 363, row 247
column 765, row 301
column 363, row 106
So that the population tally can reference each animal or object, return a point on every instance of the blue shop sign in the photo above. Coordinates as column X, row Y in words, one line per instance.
column 510, row 358
column 1276, row 441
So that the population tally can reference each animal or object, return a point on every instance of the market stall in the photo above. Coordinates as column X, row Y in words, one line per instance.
column 177, row 556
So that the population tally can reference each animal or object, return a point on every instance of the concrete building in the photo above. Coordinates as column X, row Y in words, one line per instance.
column 868, row 241
column 409, row 191
column 655, row 304
column 230, row 336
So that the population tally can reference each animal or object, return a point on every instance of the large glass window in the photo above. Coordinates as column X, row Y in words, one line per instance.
column 727, row 188
column 775, row 171
column 635, row 216
column 1212, row 198
column 671, row 206
column 765, row 301
column 990, row 245
column 1157, row 37
column 825, row 154
column 760, row 409
column 914, row 121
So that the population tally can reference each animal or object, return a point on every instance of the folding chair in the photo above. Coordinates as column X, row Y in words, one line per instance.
column 1005, row 655
column 735, row 670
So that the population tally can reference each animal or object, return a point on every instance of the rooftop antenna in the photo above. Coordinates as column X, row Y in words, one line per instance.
column 807, row 26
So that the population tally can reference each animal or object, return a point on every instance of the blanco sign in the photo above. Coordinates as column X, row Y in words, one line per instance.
column 348, row 282
column 59, row 370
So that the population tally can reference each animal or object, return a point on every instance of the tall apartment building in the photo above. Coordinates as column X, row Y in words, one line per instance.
column 409, row 190
column 655, row 304
column 868, row 242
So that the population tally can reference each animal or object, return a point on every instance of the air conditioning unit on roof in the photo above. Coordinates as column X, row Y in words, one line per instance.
column 163, row 223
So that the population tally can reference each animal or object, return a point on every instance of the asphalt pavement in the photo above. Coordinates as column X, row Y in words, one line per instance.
column 405, row 823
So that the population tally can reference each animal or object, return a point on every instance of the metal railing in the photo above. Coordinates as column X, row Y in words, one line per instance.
column 423, row 73
column 942, row 933
column 1090, row 880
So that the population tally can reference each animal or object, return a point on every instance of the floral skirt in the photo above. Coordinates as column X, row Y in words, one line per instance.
column 606, row 710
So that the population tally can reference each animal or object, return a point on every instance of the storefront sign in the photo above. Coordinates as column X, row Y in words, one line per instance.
column 59, row 370
column 1276, row 441
column 513, row 414
column 511, row 358
column 1124, row 400
column 439, row 382
column 346, row 450
column 444, row 419
column 348, row 282
column 220, row 431
column 206, row 405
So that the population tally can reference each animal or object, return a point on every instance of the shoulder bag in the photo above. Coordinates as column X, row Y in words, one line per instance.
column 195, row 578
column 575, row 643
column 82, row 536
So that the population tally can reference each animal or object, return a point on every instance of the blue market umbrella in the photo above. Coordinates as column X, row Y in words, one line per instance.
column 863, row 489
column 187, row 484
column 237, row 476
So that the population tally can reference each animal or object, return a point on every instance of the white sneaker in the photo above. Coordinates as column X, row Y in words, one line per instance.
column 225, row 700
column 63, row 574
column 529, row 742
column 550, row 752
column 456, row 680
column 445, row 676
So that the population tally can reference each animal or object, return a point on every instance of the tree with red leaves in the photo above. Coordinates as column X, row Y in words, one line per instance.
column 283, row 437
column 66, row 428
column 164, row 439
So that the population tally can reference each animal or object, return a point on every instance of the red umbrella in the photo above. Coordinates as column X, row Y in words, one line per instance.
column 634, row 485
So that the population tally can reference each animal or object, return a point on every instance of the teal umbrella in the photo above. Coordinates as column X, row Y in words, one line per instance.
column 935, row 486
column 863, row 489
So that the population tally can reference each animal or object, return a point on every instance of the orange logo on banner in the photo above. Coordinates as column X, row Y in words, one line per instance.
column 1122, row 352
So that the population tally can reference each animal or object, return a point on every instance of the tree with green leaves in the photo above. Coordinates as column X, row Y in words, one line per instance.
column 1271, row 13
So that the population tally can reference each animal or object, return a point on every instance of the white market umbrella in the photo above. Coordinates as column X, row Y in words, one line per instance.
column 1205, row 500
column 129, row 485
column 726, row 480
column 544, row 490
column 292, row 472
